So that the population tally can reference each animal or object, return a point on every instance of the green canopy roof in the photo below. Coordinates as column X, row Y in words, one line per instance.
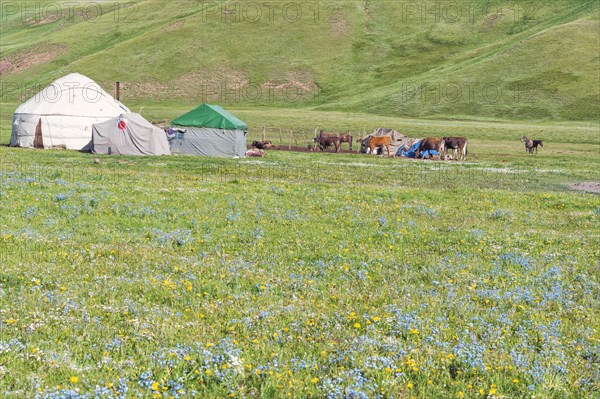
column 208, row 115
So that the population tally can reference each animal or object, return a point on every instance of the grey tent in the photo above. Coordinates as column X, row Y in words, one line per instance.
column 129, row 134
column 211, row 131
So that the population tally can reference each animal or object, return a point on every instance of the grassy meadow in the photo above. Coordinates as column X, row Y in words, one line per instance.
column 534, row 60
column 303, row 275
column 308, row 275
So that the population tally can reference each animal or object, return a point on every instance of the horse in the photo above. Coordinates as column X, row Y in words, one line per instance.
column 531, row 144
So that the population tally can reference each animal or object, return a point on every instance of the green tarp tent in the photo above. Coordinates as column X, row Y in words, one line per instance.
column 208, row 115
column 210, row 131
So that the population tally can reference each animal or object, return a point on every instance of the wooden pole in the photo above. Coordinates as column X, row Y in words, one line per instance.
column 290, row 141
column 351, row 139
column 264, row 134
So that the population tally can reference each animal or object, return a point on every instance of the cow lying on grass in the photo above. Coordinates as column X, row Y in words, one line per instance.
column 255, row 152
column 264, row 145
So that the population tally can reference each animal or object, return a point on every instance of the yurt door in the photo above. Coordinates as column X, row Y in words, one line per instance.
column 38, row 141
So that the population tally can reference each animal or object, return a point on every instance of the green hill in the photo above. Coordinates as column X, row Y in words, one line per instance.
column 495, row 59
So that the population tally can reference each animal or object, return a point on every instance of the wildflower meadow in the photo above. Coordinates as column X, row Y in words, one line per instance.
column 299, row 275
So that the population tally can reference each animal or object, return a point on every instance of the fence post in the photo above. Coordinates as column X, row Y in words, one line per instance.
column 280, row 137
column 290, row 140
column 351, row 138
column 264, row 134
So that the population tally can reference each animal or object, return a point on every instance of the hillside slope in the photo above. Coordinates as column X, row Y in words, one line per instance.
column 425, row 59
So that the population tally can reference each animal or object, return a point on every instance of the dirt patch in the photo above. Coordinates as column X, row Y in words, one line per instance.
column 339, row 26
column 492, row 20
column 175, row 25
column 5, row 66
column 589, row 187
column 225, row 84
column 295, row 148
column 285, row 86
column 21, row 61
column 48, row 19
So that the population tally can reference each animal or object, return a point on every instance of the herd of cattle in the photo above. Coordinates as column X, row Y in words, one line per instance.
column 377, row 144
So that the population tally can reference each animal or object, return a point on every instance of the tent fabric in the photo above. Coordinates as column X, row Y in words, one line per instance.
column 410, row 152
column 210, row 142
column 64, row 113
column 208, row 115
column 398, row 139
column 210, row 131
column 412, row 146
column 129, row 134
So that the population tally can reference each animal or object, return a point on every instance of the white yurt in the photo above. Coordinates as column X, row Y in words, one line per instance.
column 62, row 114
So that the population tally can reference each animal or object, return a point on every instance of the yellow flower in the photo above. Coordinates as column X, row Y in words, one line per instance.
column 409, row 385
column 155, row 386
column 314, row 380
column 460, row 394
column 356, row 325
column 74, row 380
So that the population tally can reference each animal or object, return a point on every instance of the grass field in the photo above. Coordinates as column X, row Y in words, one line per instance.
column 492, row 58
column 308, row 275
column 303, row 275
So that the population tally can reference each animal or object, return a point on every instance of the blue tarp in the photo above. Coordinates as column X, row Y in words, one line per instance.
column 411, row 152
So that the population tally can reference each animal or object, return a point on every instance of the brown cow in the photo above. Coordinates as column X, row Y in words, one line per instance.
column 346, row 138
column 373, row 142
column 263, row 145
column 325, row 140
column 431, row 143
column 457, row 145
